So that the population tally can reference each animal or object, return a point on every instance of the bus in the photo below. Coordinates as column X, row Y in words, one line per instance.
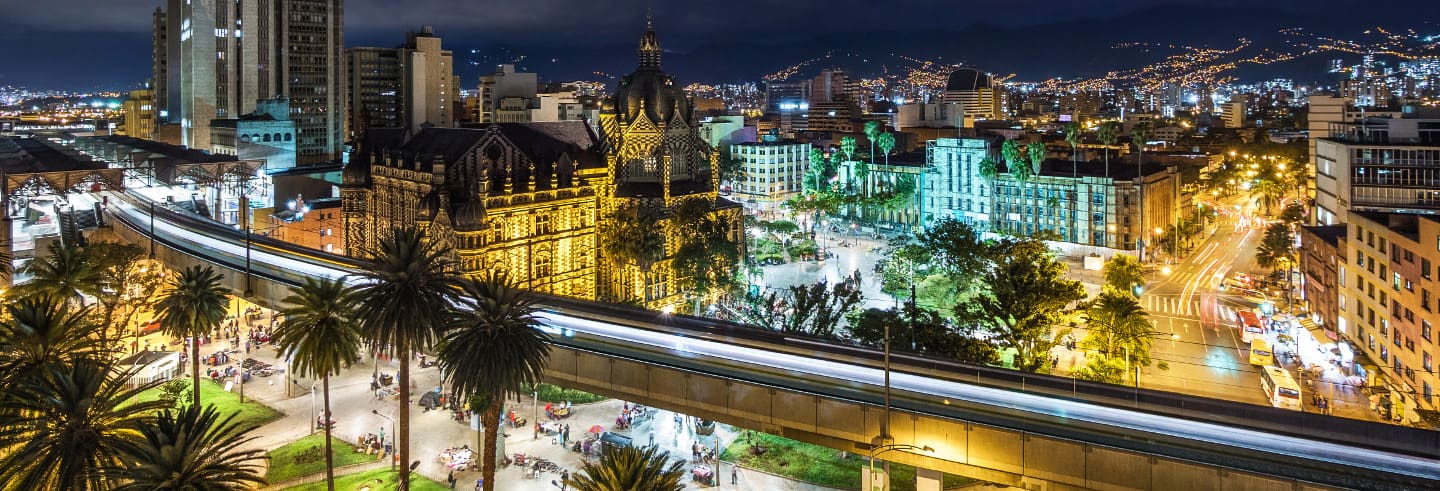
column 1260, row 353
column 1249, row 325
column 1280, row 388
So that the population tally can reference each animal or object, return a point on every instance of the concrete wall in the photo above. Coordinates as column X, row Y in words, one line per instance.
column 989, row 453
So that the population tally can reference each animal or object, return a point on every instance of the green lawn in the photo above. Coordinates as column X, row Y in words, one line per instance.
column 818, row 465
column 251, row 414
column 387, row 479
column 307, row 456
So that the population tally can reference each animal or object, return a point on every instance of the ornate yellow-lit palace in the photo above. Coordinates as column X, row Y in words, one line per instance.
column 559, row 208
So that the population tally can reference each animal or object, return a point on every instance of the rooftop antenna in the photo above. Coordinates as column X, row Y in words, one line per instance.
column 648, row 12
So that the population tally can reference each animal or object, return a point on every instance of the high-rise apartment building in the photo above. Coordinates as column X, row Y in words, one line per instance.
column 507, row 96
column 1233, row 112
column 975, row 92
column 140, row 116
column 774, row 171
column 373, row 99
column 223, row 56
column 1387, row 302
column 408, row 86
column 1379, row 164
column 159, row 56
column 313, row 49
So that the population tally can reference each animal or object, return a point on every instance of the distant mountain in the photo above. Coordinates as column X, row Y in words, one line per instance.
column 1065, row 49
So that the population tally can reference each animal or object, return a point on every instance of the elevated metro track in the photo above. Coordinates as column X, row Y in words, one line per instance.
column 1308, row 450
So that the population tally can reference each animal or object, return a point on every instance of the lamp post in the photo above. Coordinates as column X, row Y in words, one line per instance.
column 880, row 449
column 392, row 431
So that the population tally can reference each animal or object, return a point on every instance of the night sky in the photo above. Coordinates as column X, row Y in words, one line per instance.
column 80, row 44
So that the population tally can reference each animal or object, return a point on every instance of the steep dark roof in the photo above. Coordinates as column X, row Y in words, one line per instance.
column 32, row 156
column 544, row 142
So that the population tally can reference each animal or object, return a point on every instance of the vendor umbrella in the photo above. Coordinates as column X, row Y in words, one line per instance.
column 597, row 429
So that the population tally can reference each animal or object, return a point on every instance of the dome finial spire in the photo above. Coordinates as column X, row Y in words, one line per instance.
column 649, row 45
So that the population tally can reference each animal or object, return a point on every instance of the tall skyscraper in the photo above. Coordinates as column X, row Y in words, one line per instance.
column 408, row 86
column 313, row 49
column 221, row 56
column 159, row 54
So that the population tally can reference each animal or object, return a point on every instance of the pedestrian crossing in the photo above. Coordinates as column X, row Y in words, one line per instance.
column 1174, row 305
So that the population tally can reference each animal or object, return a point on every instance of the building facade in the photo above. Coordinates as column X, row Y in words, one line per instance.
column 532, row 199
column 976, row 94
column 1083, row 203
column 267, row 134
column 1378, row 164
column 507, row 96
column 373, row 98
column 774, row 171
column 222, row 57
column 1387, row 302
column 140, row 115
column 1322, row 257
column 519, row 198
column 408, row 86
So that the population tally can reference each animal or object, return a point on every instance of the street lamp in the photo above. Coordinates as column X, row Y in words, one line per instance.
column 392, row 432
column 891, row 447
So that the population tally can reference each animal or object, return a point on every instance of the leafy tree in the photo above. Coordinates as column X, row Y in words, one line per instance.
column 929, row 332
column 44, row 331
column 847, row 146
column 1293, row 214
column 708, row 252
column 498, row 320
column 633, row 234
column 126, row 281
column 1277, row 247
column 629, row 468
column 1025, row 294
column 955, row 246
column 1268, row 193
column 731, row 168
column 319, row 331
column 407, row 287
column 64, row 272
column 193, row 449
column 1102, row 368
column 1123, row 272
column 818, row 310
column 193, row 305
column 70, row 426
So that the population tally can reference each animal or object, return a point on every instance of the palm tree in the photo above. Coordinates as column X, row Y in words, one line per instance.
column 1108, row 133
column 403, row 300
column 1074, row 134
column 192, row 306
column 499, row 321
column 634, row 234
column 64, row 272
column 1138, row 136
column 629, row 469
column 872, row 130
column 319, row 330
column 192, row 449
column 1119, row 325
column 69, row 426
column 1035, row 151
column 989, row 170
column 44, row 331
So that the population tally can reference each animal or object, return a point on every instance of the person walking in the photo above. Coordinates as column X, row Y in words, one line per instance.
column 734, row 475
column 451, row 479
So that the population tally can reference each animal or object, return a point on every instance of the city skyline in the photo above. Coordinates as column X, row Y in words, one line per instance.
column 57, row 40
